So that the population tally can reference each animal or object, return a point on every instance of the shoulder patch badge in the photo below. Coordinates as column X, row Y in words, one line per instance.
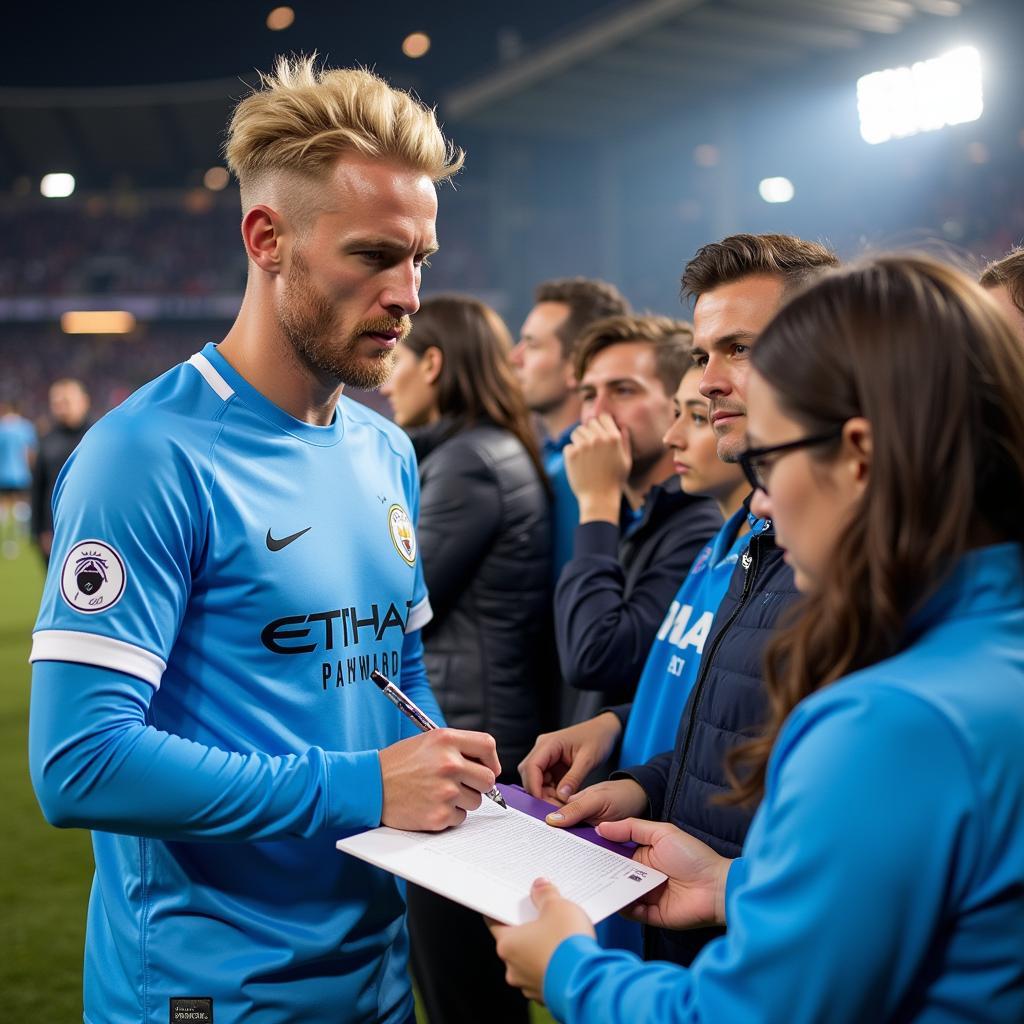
column 403, row 536
column 93, row 577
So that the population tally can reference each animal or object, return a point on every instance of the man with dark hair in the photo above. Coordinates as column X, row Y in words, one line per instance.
column 1005, row 280
column 543, row 363
column 638, row 532
column 738, row 285
column 69, row 410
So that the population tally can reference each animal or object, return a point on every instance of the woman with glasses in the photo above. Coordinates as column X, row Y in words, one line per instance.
column 883, row 876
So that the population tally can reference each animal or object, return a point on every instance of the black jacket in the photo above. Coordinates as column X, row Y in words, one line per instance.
column 54, row 450
column 612, row 595
column 726, row 706
column 485, row 540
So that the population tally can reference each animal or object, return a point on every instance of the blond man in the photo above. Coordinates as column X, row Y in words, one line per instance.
column 234, row 552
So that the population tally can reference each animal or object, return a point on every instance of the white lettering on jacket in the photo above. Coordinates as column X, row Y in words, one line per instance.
column 677, row 630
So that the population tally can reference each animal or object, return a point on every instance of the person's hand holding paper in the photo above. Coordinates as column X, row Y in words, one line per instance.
column 694, row 895
column 527, row 948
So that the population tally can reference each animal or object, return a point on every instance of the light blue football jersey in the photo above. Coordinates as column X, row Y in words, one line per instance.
column 244, row 572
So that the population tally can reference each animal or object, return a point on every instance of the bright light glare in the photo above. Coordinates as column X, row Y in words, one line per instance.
column 776, row 190
column 57, row 186
column 931, row 94
column 97, row 321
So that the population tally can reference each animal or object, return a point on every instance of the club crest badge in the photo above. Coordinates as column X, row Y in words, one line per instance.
column 403, row 536
column 93, row 577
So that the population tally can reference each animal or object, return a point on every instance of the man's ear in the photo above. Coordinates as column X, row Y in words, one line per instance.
column 857, row 448
column 569, row 376
column 431, row 363
column 263, row 234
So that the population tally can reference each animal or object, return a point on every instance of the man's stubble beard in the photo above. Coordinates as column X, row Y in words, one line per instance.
column 310, row 324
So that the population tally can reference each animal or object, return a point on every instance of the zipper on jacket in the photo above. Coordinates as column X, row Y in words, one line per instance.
column 749, row 562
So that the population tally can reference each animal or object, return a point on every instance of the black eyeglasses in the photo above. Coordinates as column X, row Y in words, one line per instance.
column 756, row 462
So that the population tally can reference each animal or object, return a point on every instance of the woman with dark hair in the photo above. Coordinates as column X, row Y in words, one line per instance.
column 883, row 876
column 485, row 539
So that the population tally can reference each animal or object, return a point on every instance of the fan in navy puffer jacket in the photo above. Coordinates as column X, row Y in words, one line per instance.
column 727, row 704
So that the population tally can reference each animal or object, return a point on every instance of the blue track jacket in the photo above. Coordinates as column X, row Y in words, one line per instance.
column 883, row 876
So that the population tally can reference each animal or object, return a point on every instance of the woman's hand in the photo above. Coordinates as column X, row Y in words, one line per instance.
column 527, row 948
column 694, row 895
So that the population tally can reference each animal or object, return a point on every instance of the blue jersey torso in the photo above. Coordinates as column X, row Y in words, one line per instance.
column 254, row 570
column 674, row 659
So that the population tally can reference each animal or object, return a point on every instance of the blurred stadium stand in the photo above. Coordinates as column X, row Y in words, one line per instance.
column 607, row 140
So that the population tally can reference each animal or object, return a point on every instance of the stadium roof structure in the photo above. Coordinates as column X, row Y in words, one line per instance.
column 570, row 69
column 659, row 56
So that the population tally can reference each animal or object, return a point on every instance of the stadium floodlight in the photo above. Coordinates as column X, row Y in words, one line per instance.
column 930, row 94
column 776, row 190
column 57, row 186
column 97, row 321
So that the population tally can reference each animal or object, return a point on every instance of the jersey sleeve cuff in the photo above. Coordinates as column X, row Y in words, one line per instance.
column 101, row 651
column 355, row 789
column 419, row 616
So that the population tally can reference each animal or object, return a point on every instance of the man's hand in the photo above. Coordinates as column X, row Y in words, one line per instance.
column 559, row 761
column 694, row 895
column 527, row 948
column 431, row 780
column 607, row 801
column 597, row 464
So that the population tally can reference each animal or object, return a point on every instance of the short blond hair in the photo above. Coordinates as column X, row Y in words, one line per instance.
column 305, row 116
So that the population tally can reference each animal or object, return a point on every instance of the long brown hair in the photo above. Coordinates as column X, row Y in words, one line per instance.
column 476, row 381
column 928, row 359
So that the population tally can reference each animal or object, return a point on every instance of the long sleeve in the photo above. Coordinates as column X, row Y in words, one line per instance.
column 652, row 777
column 868, row 828
column 96, row 763
column 604, row 633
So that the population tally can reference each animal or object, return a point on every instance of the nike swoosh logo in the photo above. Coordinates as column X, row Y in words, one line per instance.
column 276, row 545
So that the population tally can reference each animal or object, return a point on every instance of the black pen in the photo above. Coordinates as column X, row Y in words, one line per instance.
column 419, row 718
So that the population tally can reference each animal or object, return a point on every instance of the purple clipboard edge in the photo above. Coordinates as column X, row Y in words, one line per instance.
column 517, row 797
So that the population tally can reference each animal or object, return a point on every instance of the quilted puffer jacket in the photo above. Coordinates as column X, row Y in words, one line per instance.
column 485, row 539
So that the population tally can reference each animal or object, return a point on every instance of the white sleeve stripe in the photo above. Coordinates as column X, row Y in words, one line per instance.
column 419, row 616
column 211, row 376
column 101, row 651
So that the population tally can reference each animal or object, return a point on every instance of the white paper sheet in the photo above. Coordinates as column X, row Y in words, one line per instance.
column 489, row 862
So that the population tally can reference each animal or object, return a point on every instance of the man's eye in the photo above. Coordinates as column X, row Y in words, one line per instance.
column 740, row 350
column 700, row 359
column 422, row 261
column 372, row 255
